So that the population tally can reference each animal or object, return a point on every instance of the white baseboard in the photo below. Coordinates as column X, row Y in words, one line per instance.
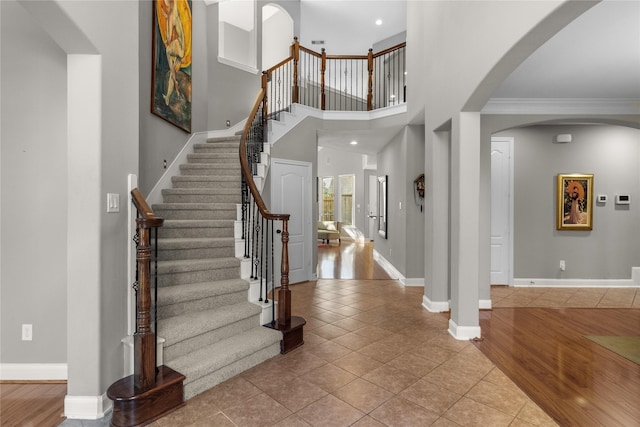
column 576, row 283
column 33, row 371
column 87, row 407
column 435, row 306
column 413, row 281
column 484, row 304
column 463, row 333
column 388, row 267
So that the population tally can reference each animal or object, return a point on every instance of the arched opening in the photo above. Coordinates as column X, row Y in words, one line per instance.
column 277, row 35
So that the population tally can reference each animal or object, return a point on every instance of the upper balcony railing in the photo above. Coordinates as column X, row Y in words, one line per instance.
column 336, row 82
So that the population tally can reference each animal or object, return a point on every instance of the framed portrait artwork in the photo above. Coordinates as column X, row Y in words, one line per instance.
column 171, row 63
column 575, row 202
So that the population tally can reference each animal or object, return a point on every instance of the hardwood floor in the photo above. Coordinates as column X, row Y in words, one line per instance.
column 576, row 381
column 31, row 404
column 349, row 260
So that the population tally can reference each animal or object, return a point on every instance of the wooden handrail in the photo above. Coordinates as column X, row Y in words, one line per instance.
column 391, row 49
column 145, row 211
column 244, row 164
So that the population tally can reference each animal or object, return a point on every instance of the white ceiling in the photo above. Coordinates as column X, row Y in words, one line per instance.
column 596, row 56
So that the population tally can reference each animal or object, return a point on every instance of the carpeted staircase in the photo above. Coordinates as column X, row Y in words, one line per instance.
column 212, row 331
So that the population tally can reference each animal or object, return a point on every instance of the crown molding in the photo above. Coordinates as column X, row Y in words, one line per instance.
column 600, row 106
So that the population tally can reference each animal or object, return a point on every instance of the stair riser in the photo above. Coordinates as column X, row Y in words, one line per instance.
column 194, row 343
column 196, row 253
column 201, row 304
column 195, row 214
column 198, row 385
column 198, row 276
column 202, row 198
column 195, row 232
column 235, row 173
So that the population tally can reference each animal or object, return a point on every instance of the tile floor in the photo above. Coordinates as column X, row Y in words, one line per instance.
column 374, row 357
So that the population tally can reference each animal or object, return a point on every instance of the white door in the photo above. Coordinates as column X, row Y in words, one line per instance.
column 291, row 193
column 501, row 210
column 372, row 210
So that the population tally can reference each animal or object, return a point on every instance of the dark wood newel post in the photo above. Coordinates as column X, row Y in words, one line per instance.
column 284, row 294
column 370, row 88
column 144, row 337
column 296, row 60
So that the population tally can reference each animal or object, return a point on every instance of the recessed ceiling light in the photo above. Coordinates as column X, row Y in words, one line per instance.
column 378, row 21
column 354, row 143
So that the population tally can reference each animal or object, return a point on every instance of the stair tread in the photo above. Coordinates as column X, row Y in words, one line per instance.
column 201, row 191
column 232, row 178
column 166, row 243
column 179, row 328
column 194, row 291
column 215, row 356
column 198, row 223
column 195, row 206
column 186, row 265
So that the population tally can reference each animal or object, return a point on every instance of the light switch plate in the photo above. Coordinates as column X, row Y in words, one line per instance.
column 113, row 202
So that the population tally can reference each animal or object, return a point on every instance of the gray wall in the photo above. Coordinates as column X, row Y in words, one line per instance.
column 159, row 140
column 402, row 161
column 34, row 190
column 612, row 154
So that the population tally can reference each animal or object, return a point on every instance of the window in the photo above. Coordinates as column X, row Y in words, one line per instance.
column 327, row 202
column 347, row 187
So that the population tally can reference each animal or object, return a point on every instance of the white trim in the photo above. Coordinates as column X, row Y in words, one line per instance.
column 576, row 283
column 484, row 304
column 388, row 267
column 562, row 106
column 414, row 281
column 243, row 67
column 434, row 306
column 155, row 195
column 86, row 407
column 463, row 332
column 300, row 112
column 33, row 371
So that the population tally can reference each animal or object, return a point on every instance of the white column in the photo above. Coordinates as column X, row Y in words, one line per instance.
column 465, row 226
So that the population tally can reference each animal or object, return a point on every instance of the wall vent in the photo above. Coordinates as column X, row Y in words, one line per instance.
column 317, row 41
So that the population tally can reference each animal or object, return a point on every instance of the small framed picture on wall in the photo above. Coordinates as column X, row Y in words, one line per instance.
column 574, row 202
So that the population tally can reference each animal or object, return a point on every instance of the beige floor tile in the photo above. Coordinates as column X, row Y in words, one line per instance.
column 367, row 421
column 292, row 421
column 391, row 379
column 329, row 317
column 430, row 396
column 301, row 361
column 532, row 413
column 330, row 412
column 413, row 364
column 363, row 395
column 509, row 400
column 346, row 310
column 350, row 324
column 329, row 377
column 311, row 339
column 266, row 375
column 453, row 379
column 313, row 322
column 330, row 332
column 467, row 412
column 296, row 394
column 228, row 393
column 374, row 332
column 381, row 352
column 358, row 364
column 400, row 412
column 353, row 341
column 328, row 351
column 433, row 352
column 257, row 411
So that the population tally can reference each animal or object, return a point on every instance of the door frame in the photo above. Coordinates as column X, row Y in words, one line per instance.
column 510, row 142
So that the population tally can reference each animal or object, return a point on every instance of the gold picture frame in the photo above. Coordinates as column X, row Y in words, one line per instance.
column 574, row 202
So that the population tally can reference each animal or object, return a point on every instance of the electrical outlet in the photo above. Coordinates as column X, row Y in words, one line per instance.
column 563, row 266
column 27, row 332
